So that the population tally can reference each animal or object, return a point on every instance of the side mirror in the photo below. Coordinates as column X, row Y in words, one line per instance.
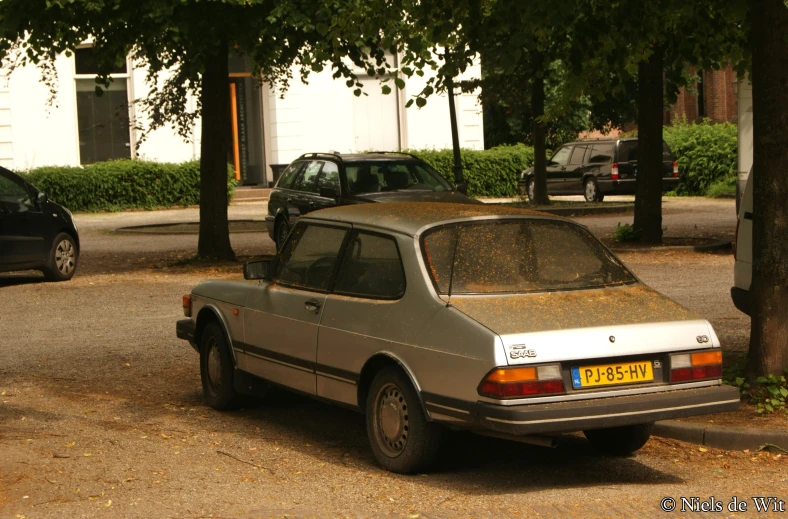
column 259, row 269
column 42, row 198
column 329, row 192
column 462, row 187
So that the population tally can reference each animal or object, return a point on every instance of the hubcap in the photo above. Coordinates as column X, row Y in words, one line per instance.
column 391, row 420
column 65, row 257
column 590, row 191
column 214, row 365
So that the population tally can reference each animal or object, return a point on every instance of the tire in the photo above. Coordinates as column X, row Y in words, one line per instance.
column 216, row 369
column 280, row 233
column 530, row 186
column 61, row 263
column 591, row 191
column 401, row 438
column 619, row 441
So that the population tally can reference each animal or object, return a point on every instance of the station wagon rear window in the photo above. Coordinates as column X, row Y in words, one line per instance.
column 518, row 256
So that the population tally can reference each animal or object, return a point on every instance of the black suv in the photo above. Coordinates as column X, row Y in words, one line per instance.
column 318, row 180
column 35, row 233
column 596, row 168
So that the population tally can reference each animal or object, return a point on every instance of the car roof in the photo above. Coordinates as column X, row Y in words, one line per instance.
column 362, row 157
column 412, row 217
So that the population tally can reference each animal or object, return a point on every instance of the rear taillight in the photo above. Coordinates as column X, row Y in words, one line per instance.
column 187, row 305
column 736, row 239
column 523, row 382
column 614, row 171
column 675, row 169
column 685, row 367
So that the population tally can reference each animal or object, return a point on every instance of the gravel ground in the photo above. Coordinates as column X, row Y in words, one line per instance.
column 101, row 412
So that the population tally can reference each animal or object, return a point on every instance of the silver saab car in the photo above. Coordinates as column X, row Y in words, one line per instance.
column 506, row 322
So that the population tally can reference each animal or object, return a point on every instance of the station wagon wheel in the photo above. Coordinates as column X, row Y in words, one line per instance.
column 216, row 369
column 619, row 441
column 401, row 438
column 62, row 261
column 591, row 191
column 282, row 230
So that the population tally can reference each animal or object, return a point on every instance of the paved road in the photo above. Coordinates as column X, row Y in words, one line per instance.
column 101, row 415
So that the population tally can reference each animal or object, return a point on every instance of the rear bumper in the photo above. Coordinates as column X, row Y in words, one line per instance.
column 627, row 186
column 741, row 299
column 185, row 329
column 606, row 412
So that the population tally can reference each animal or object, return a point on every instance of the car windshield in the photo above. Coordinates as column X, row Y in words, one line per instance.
column 515, row 256
column 377, row 176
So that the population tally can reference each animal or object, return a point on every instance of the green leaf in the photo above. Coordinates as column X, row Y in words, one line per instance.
column 386, row 89
column 421, row 102
column 399, row 82
column 409, row 103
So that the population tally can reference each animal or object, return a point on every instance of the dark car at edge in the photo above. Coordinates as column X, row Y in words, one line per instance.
column 35, row 232
column 319, row 180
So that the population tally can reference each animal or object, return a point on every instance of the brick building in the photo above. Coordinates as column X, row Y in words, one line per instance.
column 714, row 98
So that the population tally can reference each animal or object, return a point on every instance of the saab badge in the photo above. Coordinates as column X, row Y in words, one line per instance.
column 521, row 351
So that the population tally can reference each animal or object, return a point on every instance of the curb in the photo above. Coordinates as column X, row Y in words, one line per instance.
column 718, row 245
column 145, row 229
column 722, row 437
column 589, row 211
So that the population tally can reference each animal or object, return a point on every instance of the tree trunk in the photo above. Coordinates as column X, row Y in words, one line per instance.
column 214, row 241
column 648, row 185
column 769, row 289
column 540, row 147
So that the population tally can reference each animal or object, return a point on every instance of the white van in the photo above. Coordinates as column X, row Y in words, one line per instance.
column 742, row 269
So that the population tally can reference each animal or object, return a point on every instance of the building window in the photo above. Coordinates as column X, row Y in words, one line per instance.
column 103, row 120
column 701, row 96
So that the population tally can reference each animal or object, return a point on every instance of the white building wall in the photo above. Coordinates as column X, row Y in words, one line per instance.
column 745, row 127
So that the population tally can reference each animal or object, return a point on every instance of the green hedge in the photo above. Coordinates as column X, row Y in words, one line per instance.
column 706, row 153
column 492, row 172
column 122, row 184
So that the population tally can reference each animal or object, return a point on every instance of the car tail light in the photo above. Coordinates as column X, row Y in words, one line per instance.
column 736, row 239
column 187, row 305
column 614, row 171
column 696, row 366
column 523, row 382
column 675, row 169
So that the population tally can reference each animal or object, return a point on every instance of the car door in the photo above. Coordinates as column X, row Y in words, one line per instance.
column 556, row 170
column 573, row 175
column 23, row 226
column 281, row 319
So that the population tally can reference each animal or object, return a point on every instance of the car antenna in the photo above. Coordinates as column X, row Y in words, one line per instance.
column 451, row 268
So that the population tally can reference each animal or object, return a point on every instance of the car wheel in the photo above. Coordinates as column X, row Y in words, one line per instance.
column 282, row 230
column 62, row 261
column 216, row 369
column 591, row 191
column 402, row 439
column 530, row 189
column 619, row 441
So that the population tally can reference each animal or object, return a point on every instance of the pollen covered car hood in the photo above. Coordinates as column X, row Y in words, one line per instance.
column 418, row 195
column 605, row 322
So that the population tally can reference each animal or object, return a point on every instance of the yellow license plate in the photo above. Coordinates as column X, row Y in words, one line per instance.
column 610, row 374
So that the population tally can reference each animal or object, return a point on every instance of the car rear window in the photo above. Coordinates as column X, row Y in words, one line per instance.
column 628, row 151
column 518, row 256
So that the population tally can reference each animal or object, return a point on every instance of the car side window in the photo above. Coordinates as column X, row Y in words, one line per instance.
column 371, row 267
column 577, row 155
column 13, row 191
column 561, row 157
column 308, row 179
column 329, row 177
column 289, row 174
column 309, row 256
column 601, row 154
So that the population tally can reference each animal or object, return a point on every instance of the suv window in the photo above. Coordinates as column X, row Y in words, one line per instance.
column 289, row 174
column 371, row 268
column 329, row 177
column 628, row 151
column 13, row 191
column 577, row 155
column 561, row 156
column 308, row 179
column 601, row 154
column 308, row 257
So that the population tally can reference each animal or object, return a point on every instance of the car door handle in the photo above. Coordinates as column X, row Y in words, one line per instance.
column 312, row 306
